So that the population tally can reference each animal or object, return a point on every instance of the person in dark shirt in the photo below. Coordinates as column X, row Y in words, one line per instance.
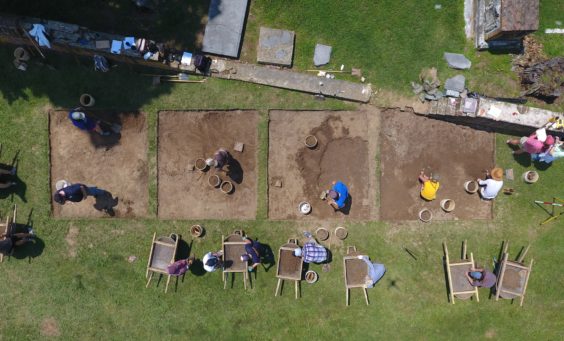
column 75, row 193
column 253, row 252
column 8, row 243
column 6, row 177
column 220, row 159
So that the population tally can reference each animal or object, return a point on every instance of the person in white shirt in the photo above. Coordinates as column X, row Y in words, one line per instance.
column 212, row 261
column 490, row 187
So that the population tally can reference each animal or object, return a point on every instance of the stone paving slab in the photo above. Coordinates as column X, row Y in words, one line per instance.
column 275, row 46
column 292, row 80
column 224, row 30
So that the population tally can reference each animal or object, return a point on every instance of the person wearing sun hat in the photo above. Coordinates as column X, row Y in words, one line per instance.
column 84, row 122
column 490, row 187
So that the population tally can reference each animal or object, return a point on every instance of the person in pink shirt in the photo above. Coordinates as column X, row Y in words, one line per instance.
column 531, row 144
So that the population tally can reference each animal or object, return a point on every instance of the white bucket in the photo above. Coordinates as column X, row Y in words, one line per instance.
column 59, row 185
column 425, row 215
column 468, row 186
column 86, row 100
column 447, row 205
column 304, row 207
column 531, row 177
column 311, row 277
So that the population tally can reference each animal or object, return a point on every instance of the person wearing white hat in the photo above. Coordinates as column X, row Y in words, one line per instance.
column 220, row 159
column 84, row 122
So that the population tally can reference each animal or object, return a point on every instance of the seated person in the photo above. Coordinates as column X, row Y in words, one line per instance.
column 180, row 267
column 554, row 152
column 212, row 261
column 85, row 122
column 429, row 185
column 375, row 271
column 531, row 144
column 481, row 278
column 253, row 251
column 13, row 240
column 338, row 195
column 312, row 252
column 490, row 187
column 220, row 159
column 6, row 177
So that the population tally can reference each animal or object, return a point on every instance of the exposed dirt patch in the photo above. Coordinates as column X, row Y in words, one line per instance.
column 410, row 143
column 289, row 266
column 116, row 163
column 50, row 327
column 356, row 271
column 345, row 151
column 187, row 136
column 490, row 334
column 72, row 240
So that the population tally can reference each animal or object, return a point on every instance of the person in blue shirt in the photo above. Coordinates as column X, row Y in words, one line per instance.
column 84, row 122
column 375, row 271
column 253, row 252
column 338, row 195
column 75, row 193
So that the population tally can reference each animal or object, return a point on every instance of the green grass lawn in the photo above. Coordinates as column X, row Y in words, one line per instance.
column 86, row 285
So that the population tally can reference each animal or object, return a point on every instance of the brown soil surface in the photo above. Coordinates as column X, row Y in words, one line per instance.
column 345, row 151
column 116, row 163
column 232, row 257
column 186, row 136
column 459, row 280
column 356, row 271
column 289, row 266
column 514, row 279
column 410, row 143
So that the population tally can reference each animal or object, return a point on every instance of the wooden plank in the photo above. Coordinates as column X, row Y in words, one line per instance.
column 499, row 285
column 475, row 288
column 151, row 254
column 526, row 283
column 449, row 275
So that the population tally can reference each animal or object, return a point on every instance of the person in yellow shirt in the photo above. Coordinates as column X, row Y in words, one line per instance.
column 429, row 186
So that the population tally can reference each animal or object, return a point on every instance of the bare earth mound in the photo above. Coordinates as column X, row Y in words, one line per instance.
column 410, row 143
column 345, row 151
column 116, row 163
column 184, row 193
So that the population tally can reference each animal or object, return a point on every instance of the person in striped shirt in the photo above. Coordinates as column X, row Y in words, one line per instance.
column 312, row 252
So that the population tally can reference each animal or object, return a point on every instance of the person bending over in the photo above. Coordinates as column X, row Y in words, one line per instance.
column 338, row 195
column 490, row 187
column 429, row 186
column 479, row 277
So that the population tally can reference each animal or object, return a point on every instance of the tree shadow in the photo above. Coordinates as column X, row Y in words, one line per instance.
column 178, row 23
column 105, row 202
column 76, row 76
column 235, row 170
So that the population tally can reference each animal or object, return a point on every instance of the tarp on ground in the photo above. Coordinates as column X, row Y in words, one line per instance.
column 224, row 30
